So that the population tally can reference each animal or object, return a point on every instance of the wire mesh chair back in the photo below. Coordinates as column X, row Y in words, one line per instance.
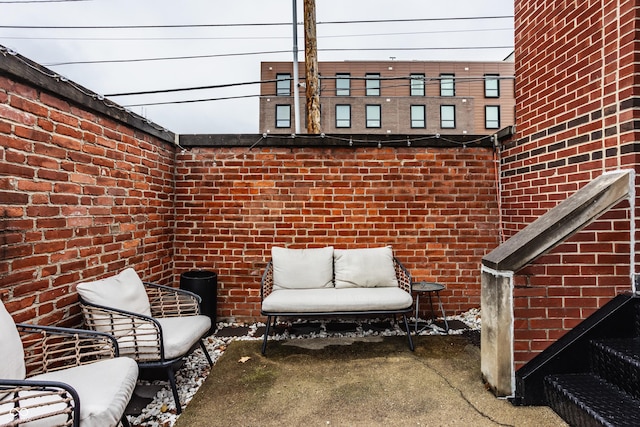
column 170, row 302
column 48, row 351
column 138, row 336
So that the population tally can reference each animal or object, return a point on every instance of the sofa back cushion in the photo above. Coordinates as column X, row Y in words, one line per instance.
column 302, row 268
column 365, row 268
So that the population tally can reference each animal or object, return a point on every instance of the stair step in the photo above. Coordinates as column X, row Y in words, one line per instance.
column 587, row 400
column 618, row 362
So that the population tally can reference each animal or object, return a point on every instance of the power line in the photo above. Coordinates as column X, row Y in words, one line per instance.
column 410, row 33
column 170, row 58
column 150, row 92
column 255, row 24
column 173, row 58
column 427, row 80
column 190, row 101
column 39, row 1
column 379, row 21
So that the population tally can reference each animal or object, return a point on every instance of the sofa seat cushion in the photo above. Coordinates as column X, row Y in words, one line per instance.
column 327, row 300
column 104, row 387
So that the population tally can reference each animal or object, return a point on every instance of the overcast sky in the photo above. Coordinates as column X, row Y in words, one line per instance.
column 235, row 51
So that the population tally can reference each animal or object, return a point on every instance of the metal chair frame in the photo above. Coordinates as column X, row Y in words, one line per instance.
column 48, row 349
column 148, row 348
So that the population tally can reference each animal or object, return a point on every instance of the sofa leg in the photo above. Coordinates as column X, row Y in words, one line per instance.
column 266, row 335
column 406, row 327
column 206, row 353
column 174, row 389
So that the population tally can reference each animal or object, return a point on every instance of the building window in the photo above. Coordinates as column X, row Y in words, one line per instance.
column 447, row 116
column 417, row 84
column 283, row 116
column 373, row 116
column 491, row 86
column 372, row 84
column 418, row 116
column 283, row 84
column 447, row 85
column 343, row 84
column 343, row 116
column 492, row 116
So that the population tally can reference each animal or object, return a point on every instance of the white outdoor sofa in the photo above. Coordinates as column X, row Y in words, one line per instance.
column 334, row 282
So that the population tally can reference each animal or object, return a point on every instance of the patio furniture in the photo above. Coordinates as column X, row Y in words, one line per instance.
column 156, row 325
column 75, row 377
column 340, row 282
column 429, row 288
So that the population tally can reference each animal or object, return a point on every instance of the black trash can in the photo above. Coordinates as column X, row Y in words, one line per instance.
column 204, row 284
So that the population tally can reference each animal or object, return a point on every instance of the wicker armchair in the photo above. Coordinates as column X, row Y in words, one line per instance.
column 155, row 325
column 76, row 378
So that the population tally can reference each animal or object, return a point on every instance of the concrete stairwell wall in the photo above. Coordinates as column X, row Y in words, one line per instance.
column 548, row 231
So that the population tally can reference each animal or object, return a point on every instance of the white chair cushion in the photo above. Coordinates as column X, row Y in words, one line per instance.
column 331, row 300
column 11, row 351
column 365, row 268
column 105, row 388
column 181, row 333
column 124, row 291
column 302, row 268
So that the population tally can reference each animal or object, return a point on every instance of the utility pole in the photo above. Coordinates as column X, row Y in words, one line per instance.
column 311, row 68
column 296, row 83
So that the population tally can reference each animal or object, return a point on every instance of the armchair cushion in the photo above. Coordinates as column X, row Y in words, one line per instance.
column 105, row 387
column 181, row 333
column 124, row 291
column 11, row 350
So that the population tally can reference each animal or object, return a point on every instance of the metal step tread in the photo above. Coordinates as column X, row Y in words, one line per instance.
column 626, row 348
column 618, row 361
column 576, row 396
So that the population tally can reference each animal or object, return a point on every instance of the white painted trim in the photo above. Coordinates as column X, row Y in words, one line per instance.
column 498, row 273
column 632, row 229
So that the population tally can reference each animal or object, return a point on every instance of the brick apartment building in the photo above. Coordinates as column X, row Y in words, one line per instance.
column 395, row 97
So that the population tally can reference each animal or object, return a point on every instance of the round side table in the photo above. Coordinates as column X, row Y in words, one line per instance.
column 429, row 288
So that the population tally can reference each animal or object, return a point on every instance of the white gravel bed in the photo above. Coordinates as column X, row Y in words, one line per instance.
column 161, row 411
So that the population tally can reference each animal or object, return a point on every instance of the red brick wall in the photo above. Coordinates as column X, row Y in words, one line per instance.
column 563, row 287
column 575, row 103
column 436, row 206
column 85, row 193
column 81, row 196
